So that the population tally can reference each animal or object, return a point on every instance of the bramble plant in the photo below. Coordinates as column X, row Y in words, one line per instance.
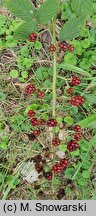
column 50, row 116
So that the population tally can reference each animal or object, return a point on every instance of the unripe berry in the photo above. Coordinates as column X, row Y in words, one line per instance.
column 71, row 48
column 75, row 81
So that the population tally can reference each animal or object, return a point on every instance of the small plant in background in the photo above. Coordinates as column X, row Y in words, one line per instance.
column 58, row 115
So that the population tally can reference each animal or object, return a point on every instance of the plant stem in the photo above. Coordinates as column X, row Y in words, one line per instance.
column 54, row 95
column 54, row 72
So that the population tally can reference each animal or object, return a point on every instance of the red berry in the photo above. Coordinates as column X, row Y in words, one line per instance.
column 40, row 94
column 64, row 163
column 32, row 37
column 38, row 168
column 48, row 175
column 77, row 100
column 72, row 145
column 71, row 48
column 34, row 122
column 78, row 136
column 42, row 122
column 52, row 48
column 77, row 128
column 60, row 166
column 75, row 81
column 36, row 133
column 52, row 122
column 30, row 113
column 56, row 141
column 63, row 45
column 30, row 89
column 69, row 91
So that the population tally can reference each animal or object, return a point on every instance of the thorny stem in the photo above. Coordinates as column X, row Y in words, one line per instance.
column 54, row 95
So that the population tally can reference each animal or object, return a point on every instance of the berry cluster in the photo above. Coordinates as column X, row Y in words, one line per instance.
column 30, row 113
column 52, row 48
column 77, row 100
column 69, row 91
column 72, row 145
column 64, row 46
column 75, row 81
column 57, row 168
column 56, row 141
column 32, row 37
column 52, row 122
column 40, row 94
column 48, row 175
column 30, row 89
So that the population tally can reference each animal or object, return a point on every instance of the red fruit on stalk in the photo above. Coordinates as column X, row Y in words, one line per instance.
column 30, row 89
column 77, row 100
column 56, row 141
column 71, row 48
column 30, row 113
column 69, row 91
column 78, row 136
column 48, row 176
column 36, row 133
column 32, row 37
column 63, row 45
column 60, row 166
column 40, row 94
column 34, row 122
column 42, row 122
column 72, row 145
column 77, row 128
column 52, row 122
column 52, row 48
column 75, row 81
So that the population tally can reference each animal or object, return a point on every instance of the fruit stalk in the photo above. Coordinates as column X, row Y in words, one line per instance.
column 54, row 95
column 54, row 72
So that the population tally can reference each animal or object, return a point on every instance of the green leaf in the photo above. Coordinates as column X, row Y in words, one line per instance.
column 69, row 120
column 14, row 73
column 84, row 8
column 25, row 30
column 2, row 96
column 63, row 147
column 69, row 172
column 71, row 29
column 90, row 98
column 38, row 45
column 47, row 11
column 87, row 121
column 86, row 174
column 31, row 107
column 2, row 20
column 24, row 74
column 73, row 68
column 21, row 8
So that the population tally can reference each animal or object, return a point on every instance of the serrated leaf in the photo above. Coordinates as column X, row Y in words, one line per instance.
column 25, row 30
column 47, row 11
column 69, row 120
column 84, row 7
column 71, row 29
column 21, row 8
column 14, row 73
column 87, row 121
column 73, row 68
